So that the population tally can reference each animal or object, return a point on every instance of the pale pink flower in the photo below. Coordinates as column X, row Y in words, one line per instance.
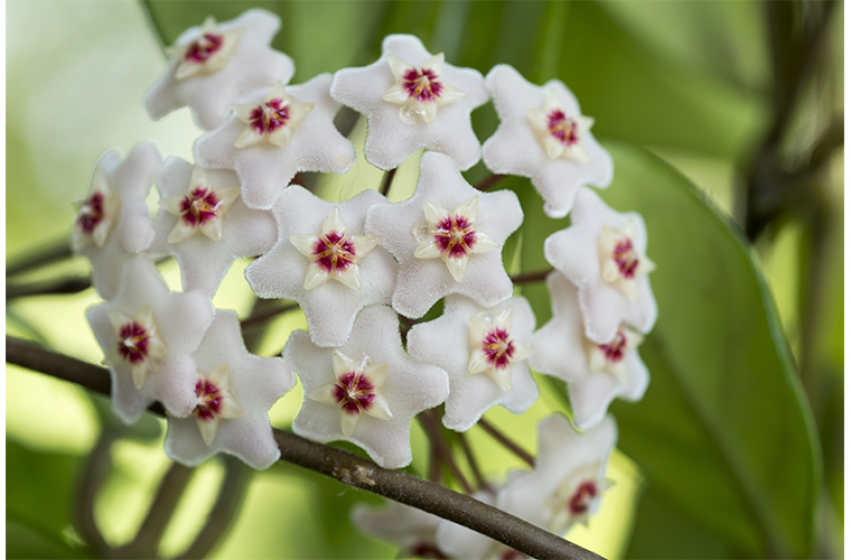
column 274, row 134
column 112, row 222
column 603, row 254
column 212, row 65
column 412, row 100
column 542, row 135
column 205, row 225
column 234, row 391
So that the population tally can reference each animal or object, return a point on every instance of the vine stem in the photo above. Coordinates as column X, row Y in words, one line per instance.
column 53, row 287
column 531, row 277
column 504, row 440
column 388, row 180
column 346, row 467
column 40, row 257
column 488, row 182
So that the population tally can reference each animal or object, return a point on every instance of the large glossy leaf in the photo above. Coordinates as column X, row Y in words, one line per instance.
column 724, row 434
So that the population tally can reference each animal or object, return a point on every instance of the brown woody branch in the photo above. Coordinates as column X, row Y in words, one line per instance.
column 346, row 467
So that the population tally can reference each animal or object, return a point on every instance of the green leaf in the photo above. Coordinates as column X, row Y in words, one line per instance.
column 40, row 486
column 26, row 539
column 724, row 433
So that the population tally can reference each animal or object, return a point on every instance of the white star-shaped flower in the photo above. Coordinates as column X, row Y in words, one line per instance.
column 112, row 222
column 542, row 135
column 484, row 352
column 204, row 223
column 413, row 100
column 266, row 150
column 234, row 391
column 413, row 231
column 603, row 254
column 212, row 65
column 148, row 336
column 377, row 397
column 567, row 483
column 320, row 241
column 411, row 528
column 595, row 373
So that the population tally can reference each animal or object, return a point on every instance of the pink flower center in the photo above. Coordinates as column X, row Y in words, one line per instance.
column 354, row 392
column 268, row 117
column 334, row 252
column 209, row 400
column 91, row 214
column 200, row 206
column 581, row 499
column 203, row 48
column 626, row 258
column 133, row 342
column 422, row 84
column 614, row 351
column 498, row 347
column 563, row 128
column 427, row 550
column 456, row 235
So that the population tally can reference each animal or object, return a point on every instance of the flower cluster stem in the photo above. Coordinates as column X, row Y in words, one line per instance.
column 431, row 424
column 471, row 460
column 488, row 182
column 346, row 467
column 388, row 180
column 506, row 442
column 531, row 277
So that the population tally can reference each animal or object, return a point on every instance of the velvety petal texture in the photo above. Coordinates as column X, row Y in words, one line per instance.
column 410, row 528
column 331, row 306
column 251, row 64
column 447, row 342
column 561, row 349
column 255, row 383
column 516, row 149
column 577, row 252
column 408, row 387
column 567, row 482
column 177, row 322
column 390, row 139
column 203, row 260
column 117, row 200
column 404, row 229
column 265, row 169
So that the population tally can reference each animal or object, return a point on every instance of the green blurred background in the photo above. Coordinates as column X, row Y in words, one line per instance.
column 703, row 85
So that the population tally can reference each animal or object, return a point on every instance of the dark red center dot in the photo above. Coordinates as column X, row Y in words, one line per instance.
column 426, row 550
column 133, row 342
column 200, row 206
column 626, row 258
column 209, row 399
column 422, row 84
column 268, row 117
column 334, row 252
column 498, row 347
column 354, row 392
column 581, row 499
column 91, row 214
column 203, row 48
column 456, row 235
column 562, row 128
column 614, row 351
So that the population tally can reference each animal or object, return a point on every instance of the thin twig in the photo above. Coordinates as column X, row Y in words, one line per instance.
column 147, row 539
column 471, row 460
column 40, row 257
column 531, row 277
column 432, row 427
column 224, row 511
column 54, row 287
column 488, row 182
column 503, row 439
column 263, row 316
column 388, row 180
column 346, row 467
column 93, row 475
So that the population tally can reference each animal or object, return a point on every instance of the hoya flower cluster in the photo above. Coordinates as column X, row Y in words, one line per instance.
column 366, row 271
